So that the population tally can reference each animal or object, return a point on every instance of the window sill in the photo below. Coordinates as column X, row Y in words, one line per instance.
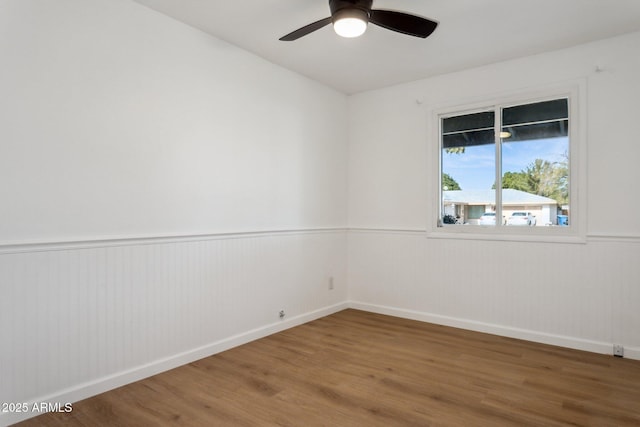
column 534, row 234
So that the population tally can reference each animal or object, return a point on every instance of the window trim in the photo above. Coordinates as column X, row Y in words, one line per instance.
column 575, row 92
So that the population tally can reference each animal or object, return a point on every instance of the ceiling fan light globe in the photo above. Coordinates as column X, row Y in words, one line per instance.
column 350, row 22
column 350, row 27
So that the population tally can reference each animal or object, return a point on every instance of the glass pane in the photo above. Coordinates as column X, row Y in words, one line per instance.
column 468, row 168
column 535, row 164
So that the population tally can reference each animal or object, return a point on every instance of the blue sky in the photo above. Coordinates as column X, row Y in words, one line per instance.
column 475, row 169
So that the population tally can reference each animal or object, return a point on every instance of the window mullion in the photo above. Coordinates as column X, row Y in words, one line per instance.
column 498, row 143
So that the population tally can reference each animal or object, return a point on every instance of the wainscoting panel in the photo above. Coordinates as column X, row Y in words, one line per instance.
column 574, row 295
column 77, row 321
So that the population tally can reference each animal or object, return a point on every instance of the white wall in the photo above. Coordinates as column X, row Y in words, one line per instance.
column 163, row 195
column 579, row 295
column 117, row 120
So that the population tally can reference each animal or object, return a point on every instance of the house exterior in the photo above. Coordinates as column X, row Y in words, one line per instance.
column 469, row 205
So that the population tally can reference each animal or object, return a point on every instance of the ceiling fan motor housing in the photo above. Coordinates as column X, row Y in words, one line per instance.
column 360, row 9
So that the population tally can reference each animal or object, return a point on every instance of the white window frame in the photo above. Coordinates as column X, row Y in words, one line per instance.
column 575, row 92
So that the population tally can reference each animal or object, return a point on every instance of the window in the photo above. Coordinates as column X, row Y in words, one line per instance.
column 509, row 167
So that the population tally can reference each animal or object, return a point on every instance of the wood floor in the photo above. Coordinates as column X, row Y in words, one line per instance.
column 362, row 369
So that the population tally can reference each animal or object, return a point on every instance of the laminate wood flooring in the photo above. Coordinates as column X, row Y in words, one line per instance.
column 355, row 368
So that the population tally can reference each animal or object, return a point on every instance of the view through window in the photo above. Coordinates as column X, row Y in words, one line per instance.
column 506, row 166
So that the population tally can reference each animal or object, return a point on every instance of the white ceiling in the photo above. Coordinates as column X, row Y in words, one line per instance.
column 471, row 33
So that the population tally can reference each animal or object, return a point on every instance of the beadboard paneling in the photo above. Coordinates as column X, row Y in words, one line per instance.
column 576, row 295
column 76, row 322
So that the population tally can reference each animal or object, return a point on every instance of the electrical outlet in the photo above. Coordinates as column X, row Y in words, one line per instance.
column 281, row 314
column 618, row 350
column 330, row 283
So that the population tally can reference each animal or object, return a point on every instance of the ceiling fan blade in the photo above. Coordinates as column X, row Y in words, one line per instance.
column 306, row 30
column 403, row 23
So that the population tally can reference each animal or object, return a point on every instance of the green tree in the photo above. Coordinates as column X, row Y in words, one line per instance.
column 550, row 179
column 454, row 150
column 541, row 177
column 517, row 181
column 449, row 183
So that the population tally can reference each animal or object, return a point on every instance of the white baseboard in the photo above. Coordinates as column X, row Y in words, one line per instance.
column 101, row 385
column 632, row 353
column 505, row 331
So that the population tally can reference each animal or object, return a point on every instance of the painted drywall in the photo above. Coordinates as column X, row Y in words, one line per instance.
column 118, row 121
column 390, row 136
column 580, row 295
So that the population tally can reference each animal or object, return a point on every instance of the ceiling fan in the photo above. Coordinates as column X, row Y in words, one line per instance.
column 350, row 18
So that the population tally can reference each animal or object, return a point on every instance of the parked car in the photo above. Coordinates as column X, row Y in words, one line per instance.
column 488, row 218
column 521, row 218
